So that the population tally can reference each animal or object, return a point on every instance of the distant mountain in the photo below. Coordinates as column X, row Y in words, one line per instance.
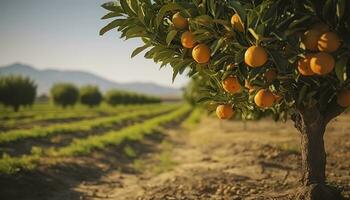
column 46, row 78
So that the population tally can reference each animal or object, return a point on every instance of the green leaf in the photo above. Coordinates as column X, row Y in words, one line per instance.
column 139, row 50
column 166, row 8
column 124, row 4
column 111, row 26
column 217, row 45
column 340, row 68
column 340, row 8
column 280, row 62
column 112, row 6
column 111, row 15
column 328, row 9
column 171, row 35
column 256, row 36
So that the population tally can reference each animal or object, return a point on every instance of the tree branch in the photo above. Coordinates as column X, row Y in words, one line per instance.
column 332, row 111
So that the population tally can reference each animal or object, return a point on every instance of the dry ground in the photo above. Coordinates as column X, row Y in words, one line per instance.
column 214, row 160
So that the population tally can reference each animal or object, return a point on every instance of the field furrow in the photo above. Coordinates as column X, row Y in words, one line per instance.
column 84, row 146
column 62, row 116
column 81, row 126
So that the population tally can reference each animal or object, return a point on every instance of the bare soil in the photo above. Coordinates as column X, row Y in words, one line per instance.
column 215, row 160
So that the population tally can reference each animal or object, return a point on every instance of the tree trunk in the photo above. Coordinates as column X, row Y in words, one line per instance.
column 313, row 155
column 311, row 125
column 16, row 108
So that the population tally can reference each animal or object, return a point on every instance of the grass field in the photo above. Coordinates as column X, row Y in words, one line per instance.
column 46, row 133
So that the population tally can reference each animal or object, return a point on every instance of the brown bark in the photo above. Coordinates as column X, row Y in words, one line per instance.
column 312, row 124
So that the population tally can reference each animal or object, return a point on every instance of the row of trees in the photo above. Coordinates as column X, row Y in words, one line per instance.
column 17, row 91
column 65, row 94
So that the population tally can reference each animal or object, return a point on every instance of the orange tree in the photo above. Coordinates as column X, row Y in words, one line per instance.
column 282, row 57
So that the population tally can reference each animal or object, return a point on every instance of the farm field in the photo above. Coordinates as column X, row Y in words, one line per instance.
column 161, row 151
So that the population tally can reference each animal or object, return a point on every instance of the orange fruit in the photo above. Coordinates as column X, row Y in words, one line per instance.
column 187, row 40
column 231, row 85
column 264, row 98
column 304, row 66
column 322, row 63
column 343, row 98
column 224, row 111
column 255, row 56
column 310, row 39
column 322, row 27
column 201, row 53
column 237, row 23
column 328, row 42
column 270, row 75
column 179, row 21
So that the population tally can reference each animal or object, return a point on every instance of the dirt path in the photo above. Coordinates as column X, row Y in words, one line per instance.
column 222, row 160
column 215, row 160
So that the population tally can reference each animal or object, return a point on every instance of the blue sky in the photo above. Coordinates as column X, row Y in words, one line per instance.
column 63, row 34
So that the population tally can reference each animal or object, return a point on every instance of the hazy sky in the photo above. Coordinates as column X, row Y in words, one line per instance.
column 63, row 34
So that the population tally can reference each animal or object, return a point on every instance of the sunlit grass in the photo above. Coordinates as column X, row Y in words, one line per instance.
column 86, row 145
column 82, row 126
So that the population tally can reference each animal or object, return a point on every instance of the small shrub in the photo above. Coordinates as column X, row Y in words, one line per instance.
column 64, row 94
column 17, row 91
column 90, row 95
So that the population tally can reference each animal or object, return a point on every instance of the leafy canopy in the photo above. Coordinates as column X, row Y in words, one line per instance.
column 64, row 94
column 90, row 95
column 116, row 97
column 278, row 26
column 16, row 91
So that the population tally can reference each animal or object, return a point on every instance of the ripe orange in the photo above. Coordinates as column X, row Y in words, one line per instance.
column 304, row 66
column 270, row 75
column 179, row 21
column 264, row 98
column 201, row 53
column 322, row 63
column 328, row 42
column 322, row 27
column 224, row 111
column 343, row 98
column 237, row 23
column 231, row 85
column 187, row 40
column 255, row 56
column 310, row 39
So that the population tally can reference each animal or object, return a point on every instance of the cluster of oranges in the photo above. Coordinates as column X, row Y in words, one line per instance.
column 200, row 52
column 318, row 39
column 321, row 41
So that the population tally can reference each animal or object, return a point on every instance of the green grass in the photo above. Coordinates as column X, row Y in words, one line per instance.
column 82, row 126
column 11, row 165
column 12, row 120
column 131, row 133
column 194, row 118
column 84, row 146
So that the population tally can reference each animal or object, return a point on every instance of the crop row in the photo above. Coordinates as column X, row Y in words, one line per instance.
column 50, row 111
column 81, row 126
column 84, row 146
column 69, row 114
